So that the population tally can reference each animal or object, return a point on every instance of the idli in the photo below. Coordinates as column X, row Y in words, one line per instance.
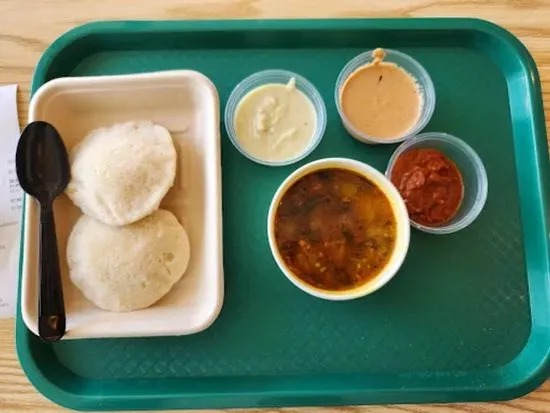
column 120, row 174
column 131, row 267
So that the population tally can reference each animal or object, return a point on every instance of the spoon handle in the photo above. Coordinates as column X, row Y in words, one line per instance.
column 51, row 309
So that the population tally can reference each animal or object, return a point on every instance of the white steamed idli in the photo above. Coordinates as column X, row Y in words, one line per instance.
column 120, row 174
column 131, row 267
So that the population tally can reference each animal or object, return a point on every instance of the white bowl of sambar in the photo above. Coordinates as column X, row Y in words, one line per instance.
column 338, row 229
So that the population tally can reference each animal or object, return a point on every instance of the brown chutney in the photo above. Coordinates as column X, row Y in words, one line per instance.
column 381, row 99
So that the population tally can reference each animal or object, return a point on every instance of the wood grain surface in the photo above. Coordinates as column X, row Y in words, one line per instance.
column 27, row 27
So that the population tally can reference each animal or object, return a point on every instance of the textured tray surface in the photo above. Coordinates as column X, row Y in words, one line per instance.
column 458, row 309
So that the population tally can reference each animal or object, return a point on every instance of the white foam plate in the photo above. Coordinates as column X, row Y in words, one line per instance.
column 187, row 104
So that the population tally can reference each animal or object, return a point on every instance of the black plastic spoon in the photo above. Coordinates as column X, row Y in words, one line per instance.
column 43, row 171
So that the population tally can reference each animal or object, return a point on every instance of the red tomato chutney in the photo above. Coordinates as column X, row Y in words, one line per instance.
column 431, row 185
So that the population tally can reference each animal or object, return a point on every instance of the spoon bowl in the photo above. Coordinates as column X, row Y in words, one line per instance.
column 42, row 162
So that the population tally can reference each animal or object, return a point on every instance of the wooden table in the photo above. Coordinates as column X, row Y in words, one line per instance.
column 27, row 27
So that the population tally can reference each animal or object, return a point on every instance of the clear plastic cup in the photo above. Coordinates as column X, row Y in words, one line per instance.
column 473, row 173
column 282, row 77
column 411, row 66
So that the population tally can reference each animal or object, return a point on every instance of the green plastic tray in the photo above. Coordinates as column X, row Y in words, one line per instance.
column 468, row 316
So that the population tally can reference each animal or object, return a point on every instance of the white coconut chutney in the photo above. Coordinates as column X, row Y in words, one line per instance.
column 275, row 122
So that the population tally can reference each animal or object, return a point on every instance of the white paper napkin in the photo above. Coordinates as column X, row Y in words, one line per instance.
column 10, row 201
